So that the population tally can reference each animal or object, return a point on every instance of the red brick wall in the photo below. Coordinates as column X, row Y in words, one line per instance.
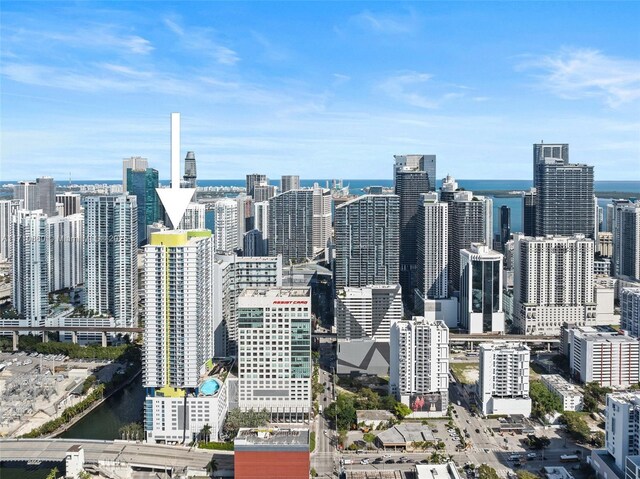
column 271, row 465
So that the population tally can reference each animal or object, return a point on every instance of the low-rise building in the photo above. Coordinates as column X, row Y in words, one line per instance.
column 572, row 399
column 437, row 471
column 402, row 436
column 373, row 417
column 630, row 311
column 271, row 454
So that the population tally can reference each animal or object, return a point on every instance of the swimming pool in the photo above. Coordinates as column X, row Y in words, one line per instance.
column 209, row 387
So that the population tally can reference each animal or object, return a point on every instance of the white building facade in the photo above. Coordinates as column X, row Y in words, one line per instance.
column 226, row 226
column 572, row 399
column 419, row 366
column 503, row 385
column 66, row 236
column 622, row 426
column 553, row 283
column 274, row 352
column 630, row 311
column 8, row 208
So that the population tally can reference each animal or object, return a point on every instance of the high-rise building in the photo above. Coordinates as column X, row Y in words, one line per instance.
column 553, row 283
column 264, row 192
column 232, row 275
column 626, row 240
column 409, row 183
column 565, row 199
column 289, row 182
column 261, row 222
column 366, row 241
column 27, row 193
column 630, row 311
column 66, row 236
column 71, row 202
column 470, row 221
column 419, row 366
column 194, row 217
column 426, row 163
column 143, row 184
column 542, row 151
column 364, row 317
column 480, row 301
column 8, row 208
column 622, row 427
column 190, row 173
column 245, row 217
column 226, row 226
column 433, row 247
column 253, row 180
column 136, row 163
column 253, row 244
column 46, row 195
column 529, row 206
column 604, row 245
column 30, row 266
column 274, row 352
column 291, row 225
column 602, row 355
column 182, row 395
column 110, row 257
column 503, row 385
column 505, row 225
column 322, row 213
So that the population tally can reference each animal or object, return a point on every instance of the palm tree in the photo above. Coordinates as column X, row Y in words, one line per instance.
column 205, row 432
column 212, row 467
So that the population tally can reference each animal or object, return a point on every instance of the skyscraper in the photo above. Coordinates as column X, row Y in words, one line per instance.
column 322, row 213
column 433, row 244
column 410, row 182
column 183, row 393
column 626, row 240
column 291, row 225
column 503, row 386
column 426, row 163
column 274, row 352
column 366, row 236
column 134, row 163
column 7, row 209
column 27, row 193
column 419, row 366
column 30, row 266
column 470, row 221
column 622, row 428
column 226, row 226
column 245, row 217
column 542, row 151
column 194, row 217
column 553, row 283
column 65, row 262
column 481, row 290
column 143, row 184
column 529, row 206
column 289, row 182
column 110, row 257
column 178, row 333
column 448, row 189
column 190, row 172
column 263, row 192
column 46, row 195
column 253, row 180
column 565, row 199
column 505, row 225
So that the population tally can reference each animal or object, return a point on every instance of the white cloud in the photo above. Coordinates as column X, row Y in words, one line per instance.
column 386, row 23
column 417, row 89
column 586, row 73
column 198, row 39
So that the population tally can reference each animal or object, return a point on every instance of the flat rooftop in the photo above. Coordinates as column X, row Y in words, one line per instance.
column 272, row 437
column 437, row 471
column 275, row 293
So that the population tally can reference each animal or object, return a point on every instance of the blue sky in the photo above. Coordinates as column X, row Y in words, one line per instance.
column 324, row 90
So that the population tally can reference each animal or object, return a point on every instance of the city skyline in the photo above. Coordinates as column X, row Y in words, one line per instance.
column 301, row 89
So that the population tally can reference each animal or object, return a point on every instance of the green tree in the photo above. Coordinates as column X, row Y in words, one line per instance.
column 544, row 402
column 522, row 474
column 237, row 419
column 343, row 411
column 212, row 467
column 205, row 433
column 593, row 395
column 401, row 410
column 53, row 474
column 367, row 399
column 368, row 437
column 576, row 426
column 598, row 439
column 487, row 472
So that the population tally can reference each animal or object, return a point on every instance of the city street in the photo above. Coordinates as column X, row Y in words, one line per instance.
column 324, row 458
